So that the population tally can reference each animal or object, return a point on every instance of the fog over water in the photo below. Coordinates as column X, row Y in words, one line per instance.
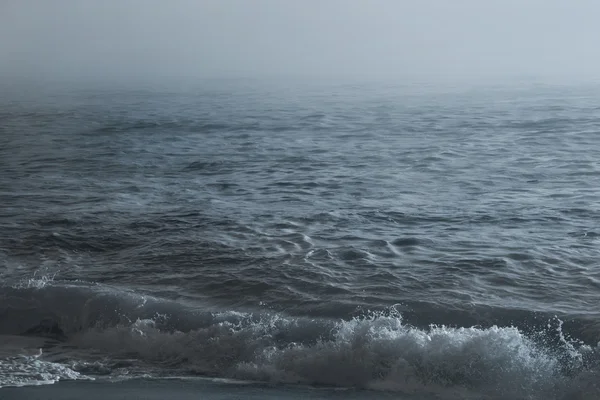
column 381, row 39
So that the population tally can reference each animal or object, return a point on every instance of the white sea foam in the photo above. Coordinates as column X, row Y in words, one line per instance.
column 23, row 366
column 376, row 353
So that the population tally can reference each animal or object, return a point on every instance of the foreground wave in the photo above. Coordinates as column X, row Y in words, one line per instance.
column 97, row 330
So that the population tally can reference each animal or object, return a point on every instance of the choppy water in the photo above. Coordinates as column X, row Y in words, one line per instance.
column 428, row 240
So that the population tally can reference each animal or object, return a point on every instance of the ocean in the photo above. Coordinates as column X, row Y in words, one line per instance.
column 300, row 239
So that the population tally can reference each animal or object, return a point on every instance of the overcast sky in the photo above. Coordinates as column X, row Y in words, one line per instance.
column 257, row 38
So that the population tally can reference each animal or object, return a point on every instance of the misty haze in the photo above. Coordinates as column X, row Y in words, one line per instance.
column 267, row 199
column 380, row 39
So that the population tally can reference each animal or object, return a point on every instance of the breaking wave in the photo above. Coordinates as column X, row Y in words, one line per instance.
column 375, row 351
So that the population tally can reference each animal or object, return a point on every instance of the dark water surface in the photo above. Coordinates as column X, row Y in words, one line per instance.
column 391, row 238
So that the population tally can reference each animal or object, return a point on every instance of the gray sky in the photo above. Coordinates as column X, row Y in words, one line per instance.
column 257, row 38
